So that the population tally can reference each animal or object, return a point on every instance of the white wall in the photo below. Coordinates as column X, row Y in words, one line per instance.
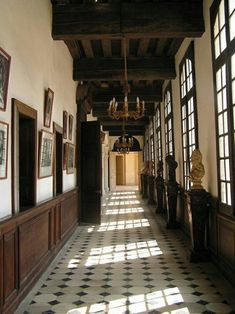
column 37, row 62
column 205, row 105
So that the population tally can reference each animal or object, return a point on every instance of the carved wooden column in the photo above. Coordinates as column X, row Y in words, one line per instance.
column 198, row 201
column 160, row 188
column 172, row 193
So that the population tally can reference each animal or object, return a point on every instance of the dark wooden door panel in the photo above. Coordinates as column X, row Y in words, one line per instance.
column 91, row 172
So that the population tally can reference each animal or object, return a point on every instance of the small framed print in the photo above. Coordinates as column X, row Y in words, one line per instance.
column 3, row 149
column 70, row 127
column 65, row 155
column 5, row 61
column 48, row 107
column 46, row 150
column 65, row 124
column 70, row 158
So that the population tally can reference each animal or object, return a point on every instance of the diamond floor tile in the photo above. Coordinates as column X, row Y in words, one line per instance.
column 128, row 264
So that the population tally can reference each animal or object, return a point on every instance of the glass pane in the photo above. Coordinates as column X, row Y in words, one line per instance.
column 224, row 99
column 216, row 26
column 217, row 47
column 227, row 170
column 226, row 147
column 220, row 124
column 233, row 65
column 225, row 122
column 223, row 75
column 223, row 193
column 229, row 194
column 223, row 42
column 232, row 26
column 221, row 147
column 222, row 171
column 193, row 137
column 221, row 14
column 219, row 102
column 218, row 80
column 233, row 118
column 231, row 5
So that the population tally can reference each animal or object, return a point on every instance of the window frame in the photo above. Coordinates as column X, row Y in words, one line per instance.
column 224, row 59
column 157, row 129
column 167, row 118
column 189, row 55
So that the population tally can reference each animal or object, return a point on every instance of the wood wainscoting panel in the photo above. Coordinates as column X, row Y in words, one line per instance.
column 10, row 273
column 34, row 244
column 69, row 214
column 226, row 246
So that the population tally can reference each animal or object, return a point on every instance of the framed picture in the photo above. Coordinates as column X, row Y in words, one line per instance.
column 65, row 124
column 48, row 107
column 65, row 155
column 5, row 61
column 70, row 158
column 3, row 149
column 46, row 150
column 70, row 127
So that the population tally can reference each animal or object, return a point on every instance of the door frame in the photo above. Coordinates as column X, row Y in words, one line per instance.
column 19, row 108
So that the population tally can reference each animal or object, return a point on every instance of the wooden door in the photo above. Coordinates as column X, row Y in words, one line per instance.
column 119, row 170
column 90, row 172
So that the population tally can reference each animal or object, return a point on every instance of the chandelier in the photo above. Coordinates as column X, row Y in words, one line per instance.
column 125, row 113
column 125, row 142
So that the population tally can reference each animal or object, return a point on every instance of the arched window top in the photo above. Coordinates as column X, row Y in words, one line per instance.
column 224, row 26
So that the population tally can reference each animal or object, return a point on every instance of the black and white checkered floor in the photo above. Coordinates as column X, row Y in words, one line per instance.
column 128, row 264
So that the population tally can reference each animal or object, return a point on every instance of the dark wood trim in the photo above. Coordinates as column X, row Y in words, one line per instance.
column 19, row 107
column 48, row 226
column 135, row 20
column 111, row 69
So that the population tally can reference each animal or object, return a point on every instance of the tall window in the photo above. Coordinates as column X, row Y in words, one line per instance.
column 151, row 144
column 188, row 111
column 223, row 40
column 168, row 110
column 158, row 133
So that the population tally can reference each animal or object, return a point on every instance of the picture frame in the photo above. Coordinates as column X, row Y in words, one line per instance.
column 5, row 61
column 65, row 155
column 65, row 124
column 46, row 153
column 70, row 127
column 70, row 158
column 48, row 107
column 4, row 133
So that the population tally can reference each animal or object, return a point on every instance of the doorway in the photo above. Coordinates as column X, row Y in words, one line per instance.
column 58, row 160
column 120, row 170
column 24, row 156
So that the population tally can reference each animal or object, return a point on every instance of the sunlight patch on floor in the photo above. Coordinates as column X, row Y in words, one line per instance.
column 122, row 252
column 141, row 303
column 120, row 211
column 123, row 224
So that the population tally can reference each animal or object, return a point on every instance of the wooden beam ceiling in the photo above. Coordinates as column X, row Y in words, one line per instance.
column 135, row 20
column 111, row 69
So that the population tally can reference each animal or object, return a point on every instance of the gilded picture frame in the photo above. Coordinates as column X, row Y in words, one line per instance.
column 46, row 152
column 5, row 61
column 4, row 133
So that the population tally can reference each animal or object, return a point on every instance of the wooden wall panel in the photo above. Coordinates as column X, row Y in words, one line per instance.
column 10, row 274
column 34, row 244
column 226, row 239
column 1, row 273
column 69, row 214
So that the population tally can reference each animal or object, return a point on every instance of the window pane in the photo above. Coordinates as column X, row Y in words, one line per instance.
column 233, row 65
column 217, row 47
column 232, row 26
column 223, row 193
column 224, row 99
column 223, row 42
column 222, row 171
column 218, row 80
column 226, row 147
column 216, row 26
column 229, row 194
column 219, row 102
column 221, row 14
column 221, row 147
column 220, row 125
column 227, row 170
column 231, row 6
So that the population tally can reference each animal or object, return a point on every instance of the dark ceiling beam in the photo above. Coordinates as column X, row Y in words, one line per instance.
column 107, row 48
column 130, row 132
column 112, row 69
column 87, row 47
column 169, row 19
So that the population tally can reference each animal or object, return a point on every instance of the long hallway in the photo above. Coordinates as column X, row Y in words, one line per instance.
column 129, row 264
